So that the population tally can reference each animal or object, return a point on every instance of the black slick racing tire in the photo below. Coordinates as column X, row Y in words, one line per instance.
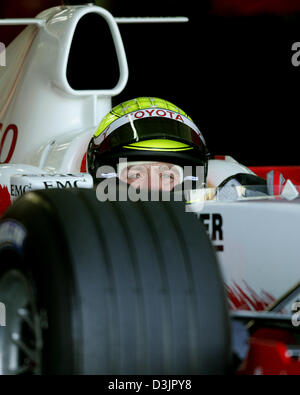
column 113, row 288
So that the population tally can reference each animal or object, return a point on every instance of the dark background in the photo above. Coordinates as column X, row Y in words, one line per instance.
column 229, row 68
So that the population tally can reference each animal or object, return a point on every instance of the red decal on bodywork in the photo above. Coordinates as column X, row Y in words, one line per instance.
column 247, row 298
column 288, row 172
column 14, row 129
column 4, row 199
column 83, row 164
column 220, row 157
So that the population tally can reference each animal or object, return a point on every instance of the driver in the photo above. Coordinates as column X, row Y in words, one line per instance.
column 151, row 143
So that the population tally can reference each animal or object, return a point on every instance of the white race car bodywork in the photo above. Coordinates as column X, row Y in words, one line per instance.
column 45, row 128
column 257, row 246
column 51, row 122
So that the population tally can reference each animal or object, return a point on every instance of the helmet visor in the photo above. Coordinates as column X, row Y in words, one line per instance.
column 157, row 128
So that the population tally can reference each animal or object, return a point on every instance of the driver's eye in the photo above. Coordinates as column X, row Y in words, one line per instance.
column 168, row 176
column 134, row 175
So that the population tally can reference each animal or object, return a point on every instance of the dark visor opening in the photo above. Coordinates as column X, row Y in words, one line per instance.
column 149, row 129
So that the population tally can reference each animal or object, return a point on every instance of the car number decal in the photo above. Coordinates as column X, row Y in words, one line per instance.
column 10, row 129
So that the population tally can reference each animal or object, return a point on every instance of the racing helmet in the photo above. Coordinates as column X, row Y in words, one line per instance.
column 147, row 129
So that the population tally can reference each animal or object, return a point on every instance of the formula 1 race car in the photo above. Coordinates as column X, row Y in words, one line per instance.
column 129, row 287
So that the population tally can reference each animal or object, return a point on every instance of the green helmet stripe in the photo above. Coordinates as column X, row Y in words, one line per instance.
column 140, row 103
column 158, row 149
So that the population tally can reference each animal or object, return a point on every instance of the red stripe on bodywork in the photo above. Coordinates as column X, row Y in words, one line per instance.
column 289, row 173
column 220, row 157
column 276, row 180
column 246, row 298
column 83, row 168
column 4, row 199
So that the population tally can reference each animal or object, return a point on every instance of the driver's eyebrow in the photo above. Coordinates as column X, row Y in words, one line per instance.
column 136, row 167
column 169, row 168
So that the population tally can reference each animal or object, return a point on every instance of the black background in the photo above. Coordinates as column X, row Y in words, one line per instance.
column 232, row 75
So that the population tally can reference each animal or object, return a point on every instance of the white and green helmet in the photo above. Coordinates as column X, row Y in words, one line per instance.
column 143, row 129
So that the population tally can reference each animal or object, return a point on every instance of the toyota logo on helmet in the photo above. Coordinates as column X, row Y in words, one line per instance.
column 145, row 129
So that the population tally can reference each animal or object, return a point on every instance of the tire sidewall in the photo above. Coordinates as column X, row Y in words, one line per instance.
column 43, row 260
